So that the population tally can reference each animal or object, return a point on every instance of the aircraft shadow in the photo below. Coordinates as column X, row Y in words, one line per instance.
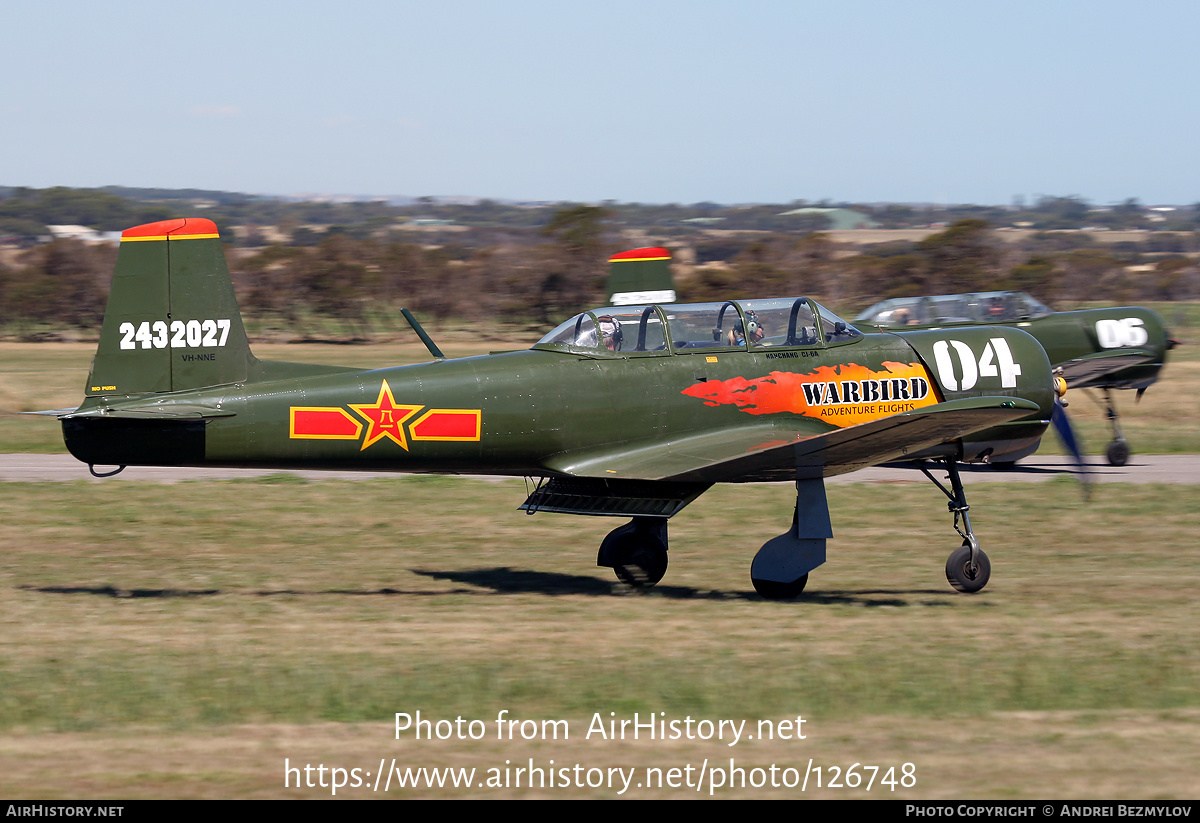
column 505, row 581
column 887, row 597
column 1019, row 468
column 118, row 593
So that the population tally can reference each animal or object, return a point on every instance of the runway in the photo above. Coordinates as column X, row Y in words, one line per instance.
column 1183, row 469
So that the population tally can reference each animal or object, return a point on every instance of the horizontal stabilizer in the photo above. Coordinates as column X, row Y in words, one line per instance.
column 181, row 411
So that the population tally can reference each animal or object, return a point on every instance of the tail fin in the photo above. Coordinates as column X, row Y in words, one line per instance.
column 172, row 321
column 640, row 276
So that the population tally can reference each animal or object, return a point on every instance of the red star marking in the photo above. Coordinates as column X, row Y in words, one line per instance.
column 386, row 418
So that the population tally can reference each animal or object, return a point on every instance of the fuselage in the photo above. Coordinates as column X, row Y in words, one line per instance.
column 527, row 412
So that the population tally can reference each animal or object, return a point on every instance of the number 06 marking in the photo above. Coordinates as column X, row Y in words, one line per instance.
column 1126, row 332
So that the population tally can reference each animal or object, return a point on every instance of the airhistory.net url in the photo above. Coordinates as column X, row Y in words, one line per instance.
column 705, row 778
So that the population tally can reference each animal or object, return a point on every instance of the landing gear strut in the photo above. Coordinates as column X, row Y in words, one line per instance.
column 967, row 568
column 1117, row 452
column 637, row 551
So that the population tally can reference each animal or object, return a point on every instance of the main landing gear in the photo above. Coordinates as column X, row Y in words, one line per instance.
column 637, row 551
column 780, row 569
column 967, row 568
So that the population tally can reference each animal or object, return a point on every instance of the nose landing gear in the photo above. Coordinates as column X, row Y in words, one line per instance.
column 968, row 568
column 1117, row 452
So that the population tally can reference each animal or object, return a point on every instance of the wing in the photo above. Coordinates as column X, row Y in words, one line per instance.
column 787, row 450
column 1135, row 367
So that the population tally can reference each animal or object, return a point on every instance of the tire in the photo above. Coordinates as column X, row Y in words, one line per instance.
column 639, row 560
column 774, row 590
column 1117, row 453
column 960, row 574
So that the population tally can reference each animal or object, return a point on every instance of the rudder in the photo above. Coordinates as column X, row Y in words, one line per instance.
column 172, row 321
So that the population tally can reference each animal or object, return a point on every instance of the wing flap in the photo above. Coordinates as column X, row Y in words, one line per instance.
column 614, row 498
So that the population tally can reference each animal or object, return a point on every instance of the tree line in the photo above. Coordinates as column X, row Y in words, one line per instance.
column 966, row 256
column 542, row 275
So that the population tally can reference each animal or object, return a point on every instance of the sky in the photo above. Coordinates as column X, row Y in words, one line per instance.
column 655, row 101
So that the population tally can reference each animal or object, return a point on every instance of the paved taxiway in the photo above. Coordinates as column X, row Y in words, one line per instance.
column 1151, row 468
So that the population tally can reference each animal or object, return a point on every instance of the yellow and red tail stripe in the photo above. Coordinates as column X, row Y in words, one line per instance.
column 183, row 228
column 641, row 255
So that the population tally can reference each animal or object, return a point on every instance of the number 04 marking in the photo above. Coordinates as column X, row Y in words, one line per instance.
column 996, row 360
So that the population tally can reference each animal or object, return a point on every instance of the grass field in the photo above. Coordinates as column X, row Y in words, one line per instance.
column 183, row 640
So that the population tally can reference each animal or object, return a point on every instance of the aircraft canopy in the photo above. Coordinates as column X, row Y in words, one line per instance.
column 977, row 307
column 681, row 328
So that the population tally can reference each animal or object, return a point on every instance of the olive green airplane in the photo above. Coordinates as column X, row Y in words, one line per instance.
column 1105, row 349
column 627, row 411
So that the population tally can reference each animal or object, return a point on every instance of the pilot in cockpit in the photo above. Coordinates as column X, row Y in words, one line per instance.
column 737, row 335
column 610, row 332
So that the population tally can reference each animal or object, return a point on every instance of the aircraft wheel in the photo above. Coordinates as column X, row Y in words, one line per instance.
column 640, row 560
column 1117, row 453
column 959, row 571
column 774, row 590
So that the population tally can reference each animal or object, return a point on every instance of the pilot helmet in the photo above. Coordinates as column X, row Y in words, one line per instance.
column 751, row 321
column 610, row 331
